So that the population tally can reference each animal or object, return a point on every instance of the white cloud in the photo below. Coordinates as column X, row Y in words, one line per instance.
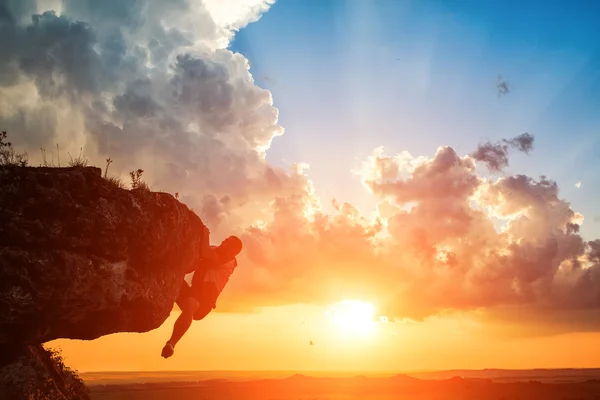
column 237, row 13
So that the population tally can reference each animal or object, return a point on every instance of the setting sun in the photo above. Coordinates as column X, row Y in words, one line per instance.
column 353, row 317
column 209, row 199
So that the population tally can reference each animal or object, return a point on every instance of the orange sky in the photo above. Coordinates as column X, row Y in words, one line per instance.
column 278, row 339
column 450, row 232
column 470, row 271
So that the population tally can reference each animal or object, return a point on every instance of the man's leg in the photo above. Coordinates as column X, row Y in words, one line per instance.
column 189, row 306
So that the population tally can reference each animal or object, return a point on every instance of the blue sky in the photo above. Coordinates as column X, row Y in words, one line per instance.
column 348, row 76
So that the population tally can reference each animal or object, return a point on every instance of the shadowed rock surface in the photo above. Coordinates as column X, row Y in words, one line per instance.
column 81, row 258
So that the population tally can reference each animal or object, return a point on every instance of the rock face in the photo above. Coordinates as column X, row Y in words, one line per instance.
column 81, row 257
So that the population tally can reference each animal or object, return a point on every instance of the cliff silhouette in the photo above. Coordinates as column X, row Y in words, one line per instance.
column 82, row 257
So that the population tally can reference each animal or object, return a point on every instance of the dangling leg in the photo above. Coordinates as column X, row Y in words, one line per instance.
column 188, row 306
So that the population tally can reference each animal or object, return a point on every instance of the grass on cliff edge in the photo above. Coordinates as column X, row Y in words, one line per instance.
column 12, row 158
column 40, row 374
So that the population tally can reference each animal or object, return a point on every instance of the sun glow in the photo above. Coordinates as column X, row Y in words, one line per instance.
column 353, row 317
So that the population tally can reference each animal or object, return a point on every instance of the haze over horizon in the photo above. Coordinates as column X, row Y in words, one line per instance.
column 415, row 182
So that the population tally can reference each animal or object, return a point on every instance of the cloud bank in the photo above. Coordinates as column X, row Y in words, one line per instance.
column 152, row 84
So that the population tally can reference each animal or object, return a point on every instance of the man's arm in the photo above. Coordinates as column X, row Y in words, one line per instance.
column 205, row 243
column 207, row 254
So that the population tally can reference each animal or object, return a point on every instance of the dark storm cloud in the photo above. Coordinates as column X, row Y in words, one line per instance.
column 495, row 155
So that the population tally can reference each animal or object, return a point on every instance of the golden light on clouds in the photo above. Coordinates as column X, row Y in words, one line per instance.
column 449, row 234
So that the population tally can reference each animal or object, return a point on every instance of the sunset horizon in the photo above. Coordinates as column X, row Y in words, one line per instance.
column 375, row 187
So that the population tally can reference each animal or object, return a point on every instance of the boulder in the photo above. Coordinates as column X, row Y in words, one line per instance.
column 81, row 257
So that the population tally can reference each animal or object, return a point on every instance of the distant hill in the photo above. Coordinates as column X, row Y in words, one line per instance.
column 569, row 374
column 497, row 375
column 302, row 386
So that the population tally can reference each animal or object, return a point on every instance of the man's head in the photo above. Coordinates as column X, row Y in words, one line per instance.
column 230, row 247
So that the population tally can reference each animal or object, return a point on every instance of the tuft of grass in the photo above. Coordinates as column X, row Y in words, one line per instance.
column 79, row 161
column 44, row 160
column 143, row 186
column 115, row 181
column 137, row 182
column 58, row 154
column 8, row 155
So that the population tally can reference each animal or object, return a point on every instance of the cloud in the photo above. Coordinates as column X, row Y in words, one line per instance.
column 495, row 155
column 152, row 85
column 141, row 81
column 502, row 86
column 235, row 14
column 432, row 247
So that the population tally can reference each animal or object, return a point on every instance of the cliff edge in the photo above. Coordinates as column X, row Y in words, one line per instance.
column 81, row 257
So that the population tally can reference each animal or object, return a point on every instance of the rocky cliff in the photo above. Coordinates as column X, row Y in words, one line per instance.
column 81, row 258
column 34, row 373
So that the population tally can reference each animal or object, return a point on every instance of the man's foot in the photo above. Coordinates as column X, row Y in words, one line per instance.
column 168, row 350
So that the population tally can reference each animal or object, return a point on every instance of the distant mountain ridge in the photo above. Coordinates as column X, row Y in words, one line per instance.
column 563, row 374
column 353, row 387
column 503, row 374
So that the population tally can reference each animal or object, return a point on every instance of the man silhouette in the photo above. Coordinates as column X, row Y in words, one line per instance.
column 210, row 277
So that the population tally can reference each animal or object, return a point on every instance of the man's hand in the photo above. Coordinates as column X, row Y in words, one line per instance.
column 207, row 254
column 205, row 244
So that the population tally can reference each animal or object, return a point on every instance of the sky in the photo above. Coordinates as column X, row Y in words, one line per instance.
column 397, row 210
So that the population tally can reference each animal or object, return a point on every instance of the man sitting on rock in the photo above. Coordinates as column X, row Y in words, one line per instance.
column 197, row 301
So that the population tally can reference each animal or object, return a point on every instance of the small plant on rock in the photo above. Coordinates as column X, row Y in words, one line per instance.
column 73, row 385
column 8, row 155
column 79, row 161
column 114, row 180
column 137, row 182
column 108, row 162
column 45, row 162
